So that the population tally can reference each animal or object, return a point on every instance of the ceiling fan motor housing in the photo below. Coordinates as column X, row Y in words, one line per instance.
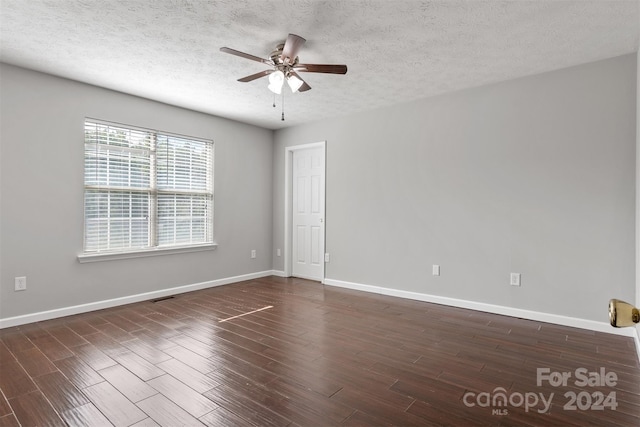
column 276, row 57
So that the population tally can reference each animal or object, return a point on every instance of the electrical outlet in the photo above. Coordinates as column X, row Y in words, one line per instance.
column 435, row 270
column 21, row 283
column 278, row 253
column 327, row 257
column 253, row 253
column 515, row 279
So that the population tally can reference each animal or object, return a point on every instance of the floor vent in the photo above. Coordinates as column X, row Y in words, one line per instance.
column 162, row 299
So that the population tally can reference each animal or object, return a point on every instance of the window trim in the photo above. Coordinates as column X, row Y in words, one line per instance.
column 106, row 255
column 143, row 253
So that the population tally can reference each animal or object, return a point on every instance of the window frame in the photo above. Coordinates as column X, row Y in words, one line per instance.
column 154, row 192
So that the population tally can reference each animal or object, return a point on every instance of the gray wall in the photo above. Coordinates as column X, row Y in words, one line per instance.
column 41, row 176
column 534, row 175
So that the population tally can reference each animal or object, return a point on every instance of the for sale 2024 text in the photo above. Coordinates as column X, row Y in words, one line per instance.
column 582, row 377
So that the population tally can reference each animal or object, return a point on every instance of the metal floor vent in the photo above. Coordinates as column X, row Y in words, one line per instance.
column 162, row 299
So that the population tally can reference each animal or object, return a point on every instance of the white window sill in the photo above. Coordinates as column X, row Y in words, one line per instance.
column 109, row 256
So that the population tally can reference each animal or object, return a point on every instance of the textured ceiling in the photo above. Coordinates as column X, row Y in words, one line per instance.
column 396, row 51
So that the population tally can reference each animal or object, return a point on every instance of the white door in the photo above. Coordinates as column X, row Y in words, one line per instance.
column 307, row 234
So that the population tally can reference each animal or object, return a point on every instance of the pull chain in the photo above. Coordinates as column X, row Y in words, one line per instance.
column 283, row 105
column 274, row 100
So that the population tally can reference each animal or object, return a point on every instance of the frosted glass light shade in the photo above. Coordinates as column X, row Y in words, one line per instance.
column 276, row 80
column 294, row 83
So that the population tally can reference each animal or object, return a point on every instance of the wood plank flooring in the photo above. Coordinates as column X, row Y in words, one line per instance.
column 321, row 356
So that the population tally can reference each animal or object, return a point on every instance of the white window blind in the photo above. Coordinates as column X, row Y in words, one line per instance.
column 145, row 189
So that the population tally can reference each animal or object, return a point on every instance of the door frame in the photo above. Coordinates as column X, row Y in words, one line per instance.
column 288, row 203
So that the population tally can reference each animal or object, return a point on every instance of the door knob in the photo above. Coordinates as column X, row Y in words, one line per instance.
column 622, row 314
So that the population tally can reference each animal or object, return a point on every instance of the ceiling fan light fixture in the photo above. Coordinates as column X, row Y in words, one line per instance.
column 276, row 80
column 284, row 65
column 294, row 83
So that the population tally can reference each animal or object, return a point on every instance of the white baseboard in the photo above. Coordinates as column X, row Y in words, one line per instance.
column 99, row 305
column 491, row 308
column 278, row 273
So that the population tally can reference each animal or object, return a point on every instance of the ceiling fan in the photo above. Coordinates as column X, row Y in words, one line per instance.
column 285, row 66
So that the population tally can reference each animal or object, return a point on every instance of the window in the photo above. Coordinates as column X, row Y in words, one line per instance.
column 145, row 189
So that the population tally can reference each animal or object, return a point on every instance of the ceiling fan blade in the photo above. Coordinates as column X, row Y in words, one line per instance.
column 255, row 76
column 305, row 86
column 291, row 47
column 321, row 68
column 245, row 55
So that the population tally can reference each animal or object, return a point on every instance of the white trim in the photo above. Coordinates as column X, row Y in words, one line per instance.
column 288, row 157
column 99, row 305
column 109, row 256
column 313, row 279
column 491, row 308
column 637, row 275
column 278, row 273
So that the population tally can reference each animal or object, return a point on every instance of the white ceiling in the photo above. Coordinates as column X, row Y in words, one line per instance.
column 396, row 51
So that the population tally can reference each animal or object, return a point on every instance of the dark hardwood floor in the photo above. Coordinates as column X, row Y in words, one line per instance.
column 320, row 356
